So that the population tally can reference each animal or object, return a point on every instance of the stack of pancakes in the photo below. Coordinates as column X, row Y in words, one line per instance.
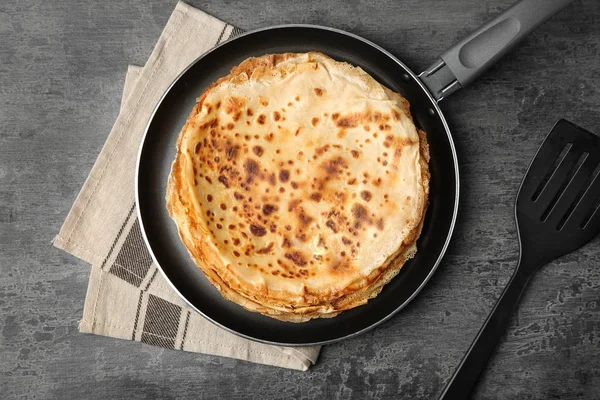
column 300, row 185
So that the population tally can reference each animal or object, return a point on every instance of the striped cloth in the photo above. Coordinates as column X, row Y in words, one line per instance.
column 127, row 297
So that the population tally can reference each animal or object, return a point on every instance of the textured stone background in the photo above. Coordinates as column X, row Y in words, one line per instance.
column 62, row 65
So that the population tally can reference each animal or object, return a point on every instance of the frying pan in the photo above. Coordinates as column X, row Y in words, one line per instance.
column 458, row 66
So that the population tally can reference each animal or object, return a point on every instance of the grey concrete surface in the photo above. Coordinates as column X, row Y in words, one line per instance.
column 62, row 65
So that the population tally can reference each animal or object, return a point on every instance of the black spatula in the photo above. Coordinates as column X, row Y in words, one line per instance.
column 557, row 213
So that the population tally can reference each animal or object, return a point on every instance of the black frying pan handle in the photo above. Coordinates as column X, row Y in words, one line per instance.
column 466, row 60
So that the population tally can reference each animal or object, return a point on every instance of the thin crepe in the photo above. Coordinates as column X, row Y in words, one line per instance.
column 299, row 186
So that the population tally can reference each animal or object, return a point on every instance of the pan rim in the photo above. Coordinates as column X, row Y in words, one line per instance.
column 448, row 235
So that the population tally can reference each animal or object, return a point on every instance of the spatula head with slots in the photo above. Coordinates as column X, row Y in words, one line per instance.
column 557, row 205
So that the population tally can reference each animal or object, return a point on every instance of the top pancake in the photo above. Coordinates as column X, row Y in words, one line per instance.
column 298, row 180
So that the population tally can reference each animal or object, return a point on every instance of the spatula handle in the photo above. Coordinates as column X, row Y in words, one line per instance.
column 466, row 375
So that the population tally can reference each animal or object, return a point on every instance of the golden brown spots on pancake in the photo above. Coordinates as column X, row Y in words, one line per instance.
column 258, row 150
column 208, row 108
column 208, row 179
column 314, row 121
column 271, row 180
column 297, row 98
column 376, row 182
column 304, row 218
column 335, row 116
column 263, row 100
column 296, row 257
column 222, row 206
column 209, row 124
column 355, row 153
column 297, row 131
column 349, row 121
column 284, row 175
column 236, row 253
column 219, row 226
column 258, row 230
column 334, row 165
column 322, row 242
column 276, row 115
column 234, row 104
column 230, row 126
column 294, row 185
column 366, row 195
column 318, row 91
column 395, row 115
column 197, row 147
column 359, row 212
column 346, row 241
column 269, row 137
column 238, row 196
column 339, row 266
column 231, row 226
column 341, row 134
column 375, row 117
column 303, row 237
column 249, row 112
column 289, row 104
column 218, row 105
column 320, row 150
column 316, row 196
column 286, row 242
column 231, row 152
column 209, row 198
column 223, row 180
column 252, row 168
column 267, row 249
column 269, row 209
column 261, row 119
column 293, row 204
column 331, row 225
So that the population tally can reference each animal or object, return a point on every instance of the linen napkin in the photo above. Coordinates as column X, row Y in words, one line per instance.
column 127, row 296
